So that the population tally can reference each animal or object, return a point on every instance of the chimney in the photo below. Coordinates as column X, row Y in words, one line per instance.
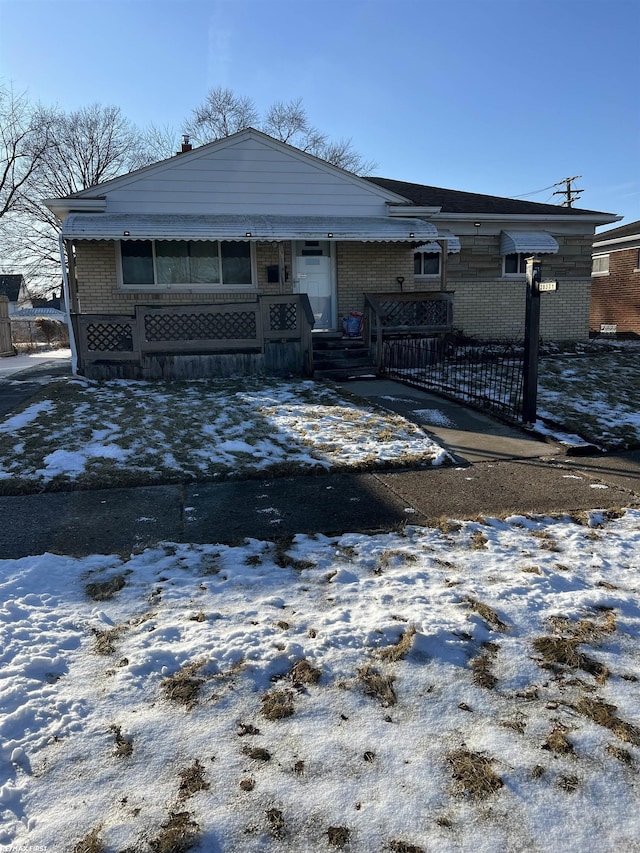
column 186, row 145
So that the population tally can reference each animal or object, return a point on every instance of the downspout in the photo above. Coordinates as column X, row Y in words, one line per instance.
column 67, row 299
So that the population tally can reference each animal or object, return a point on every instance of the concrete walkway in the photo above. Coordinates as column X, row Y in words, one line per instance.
column 470, row 436
column 498, row 470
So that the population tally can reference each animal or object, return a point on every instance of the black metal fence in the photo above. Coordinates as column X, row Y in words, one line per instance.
column 487, row 375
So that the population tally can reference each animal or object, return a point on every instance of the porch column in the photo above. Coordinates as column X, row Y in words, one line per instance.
column 281, row 269
column 444, row 257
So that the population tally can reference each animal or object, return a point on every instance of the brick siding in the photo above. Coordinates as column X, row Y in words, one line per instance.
column 485, row 304
column 615, row 298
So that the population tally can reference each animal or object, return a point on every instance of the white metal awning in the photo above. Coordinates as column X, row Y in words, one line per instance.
column 527, row 242
column 453, row 243
column 36, row 313
column 121, row 226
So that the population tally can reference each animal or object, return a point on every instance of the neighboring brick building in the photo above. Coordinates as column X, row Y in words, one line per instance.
column 248, row 220
column 615, row 287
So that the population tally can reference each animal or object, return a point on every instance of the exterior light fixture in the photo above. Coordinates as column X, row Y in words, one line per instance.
column 248, row 234
column 477, row 224
column 330, row 234
column 411, row 234
column 125, row 234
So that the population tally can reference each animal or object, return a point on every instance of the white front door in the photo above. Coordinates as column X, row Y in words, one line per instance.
column 313, row 277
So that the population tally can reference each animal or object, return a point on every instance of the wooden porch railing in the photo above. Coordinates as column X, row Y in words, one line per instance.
column 196, row 329
column 392, row 314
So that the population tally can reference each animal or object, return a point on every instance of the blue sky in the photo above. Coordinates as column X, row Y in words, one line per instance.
column 504, row 97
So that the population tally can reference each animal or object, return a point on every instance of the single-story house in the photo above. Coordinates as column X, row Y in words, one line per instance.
column 615, row 286
column 14, row 287
column 228, row 254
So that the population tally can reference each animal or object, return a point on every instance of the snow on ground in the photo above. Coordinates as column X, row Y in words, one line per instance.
column 18, row 363
column 469, row 688
column 121, row 432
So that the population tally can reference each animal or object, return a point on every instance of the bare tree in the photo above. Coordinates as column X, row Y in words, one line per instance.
column 221, row 114
column 224, row 113
column 159, row 142
column 85, row 147
column 24, row 139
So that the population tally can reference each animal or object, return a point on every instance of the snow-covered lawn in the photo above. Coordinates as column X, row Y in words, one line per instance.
column 468, row 688
column 597, row 396
column 125, row 433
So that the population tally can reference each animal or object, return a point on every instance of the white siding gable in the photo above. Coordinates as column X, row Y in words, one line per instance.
column 246, row 174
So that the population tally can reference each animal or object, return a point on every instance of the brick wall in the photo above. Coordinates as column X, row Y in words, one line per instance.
column 615, row 298
column 485, row 304
column 370, row 268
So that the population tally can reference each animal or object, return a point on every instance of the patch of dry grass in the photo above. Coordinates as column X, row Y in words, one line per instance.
column 482, row 666
column 192, row 780
column 302, row 672
column 403, row 847
column 275, row 822
column 377, row 685
column 559, row 652
column 277, row 704
column 104, row 641
column 183, row 687
column 473, row 774
column 124, row 745
column 487, row 613
column 338, row 836
column 400, row 649
column 179, row 834
column 603, row 714
column 90, row 843
column 105, row 590
column 558, row 743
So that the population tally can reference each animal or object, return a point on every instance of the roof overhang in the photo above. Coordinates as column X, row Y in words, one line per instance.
column 527, row 242
column 63, row 206
column 120, row 226
column 453, row 243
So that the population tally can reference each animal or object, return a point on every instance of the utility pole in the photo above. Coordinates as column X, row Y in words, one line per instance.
column 570, row 194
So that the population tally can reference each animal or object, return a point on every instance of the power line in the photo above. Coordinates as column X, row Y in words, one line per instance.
column 535, row 192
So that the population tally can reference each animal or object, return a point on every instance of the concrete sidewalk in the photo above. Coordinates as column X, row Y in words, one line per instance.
column 499, row 470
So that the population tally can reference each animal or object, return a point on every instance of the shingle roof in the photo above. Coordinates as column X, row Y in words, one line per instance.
column 628, row 230
column 10, row 286
column 456, row 201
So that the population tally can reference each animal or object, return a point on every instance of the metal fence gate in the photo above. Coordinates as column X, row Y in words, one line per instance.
column 487, row 375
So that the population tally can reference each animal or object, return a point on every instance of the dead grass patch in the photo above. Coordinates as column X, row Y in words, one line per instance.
column 618, row 752
column 105, row 590
column 558, row 743
column 377, row 685
column 603, row 714
column 447, row 525
column 473, row 774
column 487, row 613
column 192, row 780
column 247, row 784
column 104, row 641
column 547, row 542
column 124, row 745
column 559, row 652
column 479, row 541
column 403, row 847
column 302, row 672
column 183, row 687
column 482, row 666
column 569, row 783
column 258, row 753
column 338, row 836
column 179, row 834
column 90, row 843
column 400, row 649
column 275, row 821
column 277, row 704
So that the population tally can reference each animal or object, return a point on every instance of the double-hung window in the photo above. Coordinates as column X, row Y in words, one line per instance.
column 426, row 263
column 600, row 265
column 185, row 263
